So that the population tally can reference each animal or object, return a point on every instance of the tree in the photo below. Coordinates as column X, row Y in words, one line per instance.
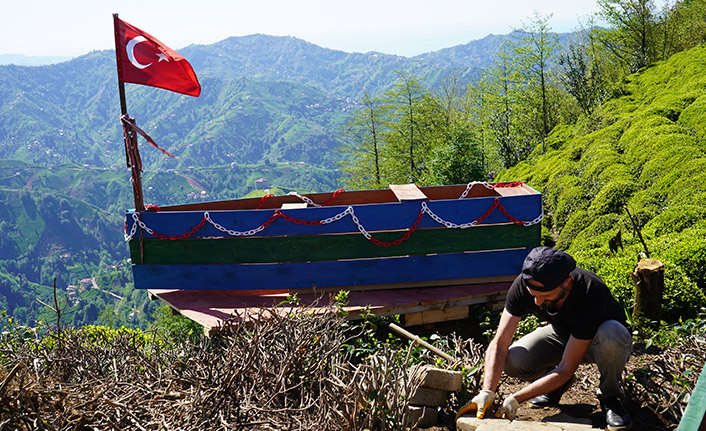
column 536, row 53
column 404, row 106
column 456, row 155
column 634, row 33
column 684, row 26
column 585, row 71
column 364, row 149
column 501, row 102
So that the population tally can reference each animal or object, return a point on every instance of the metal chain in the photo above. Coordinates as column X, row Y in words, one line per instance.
column 446, row 223
column 133, row 230
column 348, row 211
column 338, row 216
column 538, row 219
column 304, row 198
column 231, row 232
column 473, row 183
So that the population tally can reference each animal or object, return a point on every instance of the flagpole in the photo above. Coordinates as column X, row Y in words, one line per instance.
column 132, row 152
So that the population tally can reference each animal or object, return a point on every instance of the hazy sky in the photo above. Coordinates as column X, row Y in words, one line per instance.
column 404, row 27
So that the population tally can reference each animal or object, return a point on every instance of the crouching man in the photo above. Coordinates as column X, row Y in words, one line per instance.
column 586, row 324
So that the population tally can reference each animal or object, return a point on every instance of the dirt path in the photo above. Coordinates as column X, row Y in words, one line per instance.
column 193, row 183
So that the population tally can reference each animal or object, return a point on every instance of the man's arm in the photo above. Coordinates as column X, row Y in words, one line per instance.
column 497, row 350
column 573, row 355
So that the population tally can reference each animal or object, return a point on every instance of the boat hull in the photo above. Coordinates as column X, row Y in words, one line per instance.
column 348, row 245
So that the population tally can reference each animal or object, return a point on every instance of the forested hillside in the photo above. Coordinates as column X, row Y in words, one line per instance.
column 635, row 170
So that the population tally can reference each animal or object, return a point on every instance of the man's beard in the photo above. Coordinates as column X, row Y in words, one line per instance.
column 550, row 307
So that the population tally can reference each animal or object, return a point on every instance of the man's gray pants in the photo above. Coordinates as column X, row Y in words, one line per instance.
column 537, row 353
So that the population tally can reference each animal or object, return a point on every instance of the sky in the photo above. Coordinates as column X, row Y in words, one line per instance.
column 71, row 28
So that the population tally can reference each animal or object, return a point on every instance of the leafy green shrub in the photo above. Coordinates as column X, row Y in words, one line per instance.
column 682, row 297
column 615, row 272
column 688, row 252
column 578, row 221
column 599, row 232
column 612, row 197
column 572, row 199
column 675, row 219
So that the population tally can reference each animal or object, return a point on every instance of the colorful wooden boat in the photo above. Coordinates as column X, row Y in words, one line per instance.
column 404, row 237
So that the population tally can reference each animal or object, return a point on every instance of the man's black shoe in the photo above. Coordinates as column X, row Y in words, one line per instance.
column 552, row 398
column 615, row 415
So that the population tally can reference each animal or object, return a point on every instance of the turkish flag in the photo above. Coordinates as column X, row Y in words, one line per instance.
column 142, row 59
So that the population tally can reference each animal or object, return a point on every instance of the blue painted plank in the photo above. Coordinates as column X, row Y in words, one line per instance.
column 409, row 269
column 374, row 217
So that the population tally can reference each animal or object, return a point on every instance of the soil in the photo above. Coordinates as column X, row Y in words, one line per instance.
column 579, row 401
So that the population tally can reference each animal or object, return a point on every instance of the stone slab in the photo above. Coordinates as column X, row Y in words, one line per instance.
column 422, row 416
column 470, row 423
column 428, row 397
column 445, row 380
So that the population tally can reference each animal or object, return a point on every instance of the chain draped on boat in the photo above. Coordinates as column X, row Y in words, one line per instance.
column 348, row 211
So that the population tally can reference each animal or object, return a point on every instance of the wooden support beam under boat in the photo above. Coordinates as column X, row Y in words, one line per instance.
column 212, row 308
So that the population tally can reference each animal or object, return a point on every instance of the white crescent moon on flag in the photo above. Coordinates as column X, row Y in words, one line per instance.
column 130, row 48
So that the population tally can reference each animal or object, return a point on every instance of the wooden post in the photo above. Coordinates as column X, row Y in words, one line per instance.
column 132, row 152
column 649, row 287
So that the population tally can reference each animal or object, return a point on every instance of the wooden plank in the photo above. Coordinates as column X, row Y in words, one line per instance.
column 359, row 197
column 211, row 308
column 374, row 217
column 407, row 192
column 404, row 269
column 695, row 414
column 435, row 316
column 302, row 248
column 293, row 205
column 407, row 285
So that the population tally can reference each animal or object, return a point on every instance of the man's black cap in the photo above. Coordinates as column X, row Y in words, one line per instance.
column 547, row 266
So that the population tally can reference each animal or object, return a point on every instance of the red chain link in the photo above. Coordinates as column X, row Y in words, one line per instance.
column 272, row 218
column 182, row 236
column 262, row 201
column 509, row 217
column 515, row 184
column 296, row 220
column 405, row 237
column 336, row 193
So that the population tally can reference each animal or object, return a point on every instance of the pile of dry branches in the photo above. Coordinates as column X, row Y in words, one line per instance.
column 290, row 372
column 665, row 381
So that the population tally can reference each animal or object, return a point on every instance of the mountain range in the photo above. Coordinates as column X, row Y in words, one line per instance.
column 264, row 98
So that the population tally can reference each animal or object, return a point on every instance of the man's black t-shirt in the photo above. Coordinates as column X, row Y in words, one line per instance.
column 589, row 304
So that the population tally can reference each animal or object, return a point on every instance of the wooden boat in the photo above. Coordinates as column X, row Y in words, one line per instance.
column 403, row 237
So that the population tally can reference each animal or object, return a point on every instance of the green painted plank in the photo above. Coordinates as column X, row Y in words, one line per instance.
column 303, row 248
column 695, row 417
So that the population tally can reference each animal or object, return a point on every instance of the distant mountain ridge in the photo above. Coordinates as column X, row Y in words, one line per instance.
column 31, row 60
column 264, row 98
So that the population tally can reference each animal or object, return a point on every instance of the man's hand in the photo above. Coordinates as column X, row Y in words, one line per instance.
column 508, row 409
column 480, row 403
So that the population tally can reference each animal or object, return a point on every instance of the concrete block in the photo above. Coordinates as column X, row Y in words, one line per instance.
column 470, row 423
column 436, row 378
column 422, row 416
column 428, row 397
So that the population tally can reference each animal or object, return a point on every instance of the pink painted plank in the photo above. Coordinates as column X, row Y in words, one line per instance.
column 211, row 308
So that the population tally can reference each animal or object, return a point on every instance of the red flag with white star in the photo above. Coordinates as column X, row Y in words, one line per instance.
column 142, row 59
